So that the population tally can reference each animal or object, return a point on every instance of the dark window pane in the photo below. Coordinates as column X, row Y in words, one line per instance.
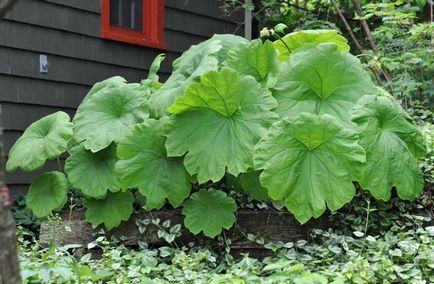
column 126, row 14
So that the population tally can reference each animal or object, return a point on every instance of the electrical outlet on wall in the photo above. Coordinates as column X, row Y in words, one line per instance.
column 43, row 63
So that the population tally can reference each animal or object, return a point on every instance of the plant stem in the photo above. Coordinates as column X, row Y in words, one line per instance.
column 368, row 210
column 284, row 43
column 59, row 165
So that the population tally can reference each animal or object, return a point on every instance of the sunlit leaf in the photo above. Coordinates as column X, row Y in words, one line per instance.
column 295, row 40
column 218, row 122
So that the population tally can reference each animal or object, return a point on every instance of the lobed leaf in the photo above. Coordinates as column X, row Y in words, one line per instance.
column 256, row 59
column 144, row 164
column 109, row 116
column 196, row 61
column 249, row 182
column 310, row 161
column 228, row 42
column 43, row 140
column 393, row 144
column 209, row 211
column 296, row 40
column 47, row 192
column 93, row 173
column 218, row 123
column 110, row 211
column 105, row 86
column 321, row 80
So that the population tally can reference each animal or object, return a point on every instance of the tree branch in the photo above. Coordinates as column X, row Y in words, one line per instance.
column 348, row 28
column 4, row 6
column 365, row 26
column 355, row 40
column 371, row 40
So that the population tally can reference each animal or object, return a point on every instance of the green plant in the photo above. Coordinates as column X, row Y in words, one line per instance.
column 24, row 217
column 402, row 253
column 303, row 130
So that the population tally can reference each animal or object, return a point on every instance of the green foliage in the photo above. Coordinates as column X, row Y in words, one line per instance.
column 109, row 115
column 427, row 163
column 24, row 216
column 43, row 140
column 105, row 86
column 401, row 253
column 93, row 173
column 111, row 210
column 196, row 61
column 282, row 130
column 206, row 205
column 405, row 50
column 152, row 80
column 310, row 161
column 249, row 182
column 393, row 144
column 256, row 59
column 143, row 163
column 291, row 42
column 218, row 122
column 48, row 192
column 323, row 80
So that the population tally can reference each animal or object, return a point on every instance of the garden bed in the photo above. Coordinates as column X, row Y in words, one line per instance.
column 272, row 226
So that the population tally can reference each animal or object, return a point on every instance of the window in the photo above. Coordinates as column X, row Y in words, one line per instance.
column 133, row 21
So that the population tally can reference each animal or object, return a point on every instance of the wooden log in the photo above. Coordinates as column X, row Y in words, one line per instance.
column 270, row 225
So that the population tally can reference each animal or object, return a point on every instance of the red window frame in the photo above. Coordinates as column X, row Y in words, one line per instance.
column 152, row 34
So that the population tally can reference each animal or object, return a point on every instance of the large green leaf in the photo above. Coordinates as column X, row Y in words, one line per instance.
column 209, row 211
column 105, row 86
column 196, row 61
column 144, row 164
column 310, row 161
column 107, row 117
column 322, row 80
column 92, row 173
column 256, row 59
column 43, row 140
column 218, row 122
column 295, row 40
column 228, row 43
column 393, row 144
column 47, row 192
column 110, row 211
column 249, row 182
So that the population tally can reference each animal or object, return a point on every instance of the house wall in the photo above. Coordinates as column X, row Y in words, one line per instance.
column 68, row 32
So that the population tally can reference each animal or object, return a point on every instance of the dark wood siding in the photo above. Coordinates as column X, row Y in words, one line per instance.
column 68, row 32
